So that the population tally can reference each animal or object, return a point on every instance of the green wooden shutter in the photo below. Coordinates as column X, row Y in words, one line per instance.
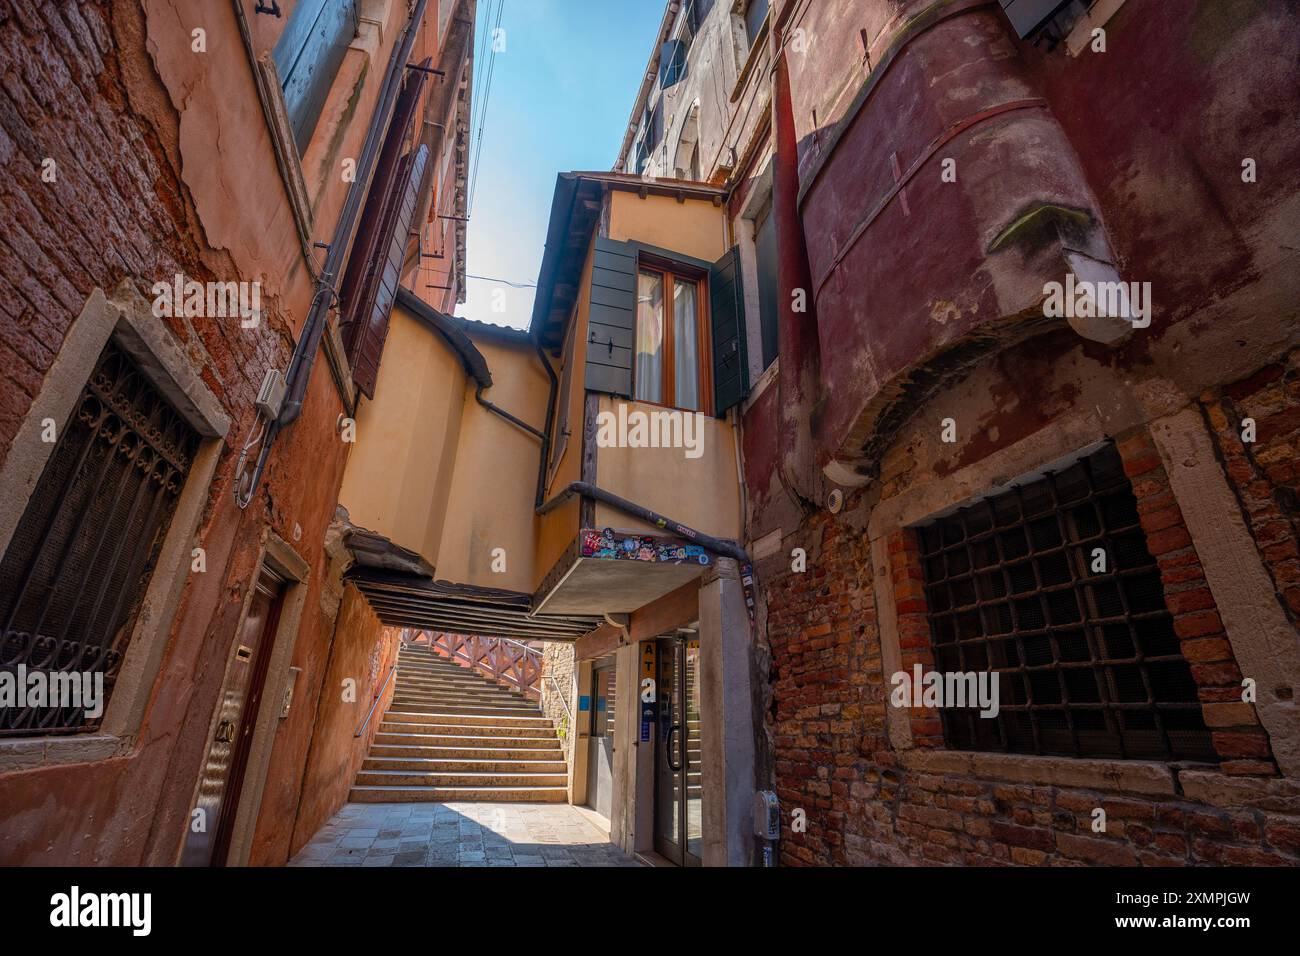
column 730, row 357
column 611, row 318
column 307, row 57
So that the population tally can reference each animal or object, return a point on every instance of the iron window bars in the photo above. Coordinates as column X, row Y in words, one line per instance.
column 86, row 545
column 1088, row 661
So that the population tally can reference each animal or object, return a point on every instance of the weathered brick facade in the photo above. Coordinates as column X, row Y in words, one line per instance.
column 867, row 801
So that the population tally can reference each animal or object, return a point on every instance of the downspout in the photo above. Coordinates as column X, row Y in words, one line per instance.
column 308, row 346
column 545, row 434
column 799, row 347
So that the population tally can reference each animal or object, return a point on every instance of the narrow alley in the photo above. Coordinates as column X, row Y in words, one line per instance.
column 568, row 434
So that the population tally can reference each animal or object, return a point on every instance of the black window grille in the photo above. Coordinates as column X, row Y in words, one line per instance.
column 1087, row 660
column 85, row 547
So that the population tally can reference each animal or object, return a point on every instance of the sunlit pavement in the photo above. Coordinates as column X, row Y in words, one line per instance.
column 460, row 834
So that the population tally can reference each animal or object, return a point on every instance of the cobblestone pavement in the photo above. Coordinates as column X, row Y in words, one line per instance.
column 460, row 834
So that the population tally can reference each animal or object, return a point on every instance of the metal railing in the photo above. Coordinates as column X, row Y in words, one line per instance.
column 375, row 703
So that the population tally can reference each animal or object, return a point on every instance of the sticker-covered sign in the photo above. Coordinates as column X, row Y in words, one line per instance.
column 648, row 690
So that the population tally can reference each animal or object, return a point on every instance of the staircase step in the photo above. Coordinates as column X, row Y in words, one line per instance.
column 391, row 794
column 461, row 710
column 442, row 765
column 534, row 719
column 467, row 731
column 405, row 736
column 476, row 751
column 405, row 778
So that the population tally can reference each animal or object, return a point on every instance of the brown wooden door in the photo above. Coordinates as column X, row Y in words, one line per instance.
column 241, row 697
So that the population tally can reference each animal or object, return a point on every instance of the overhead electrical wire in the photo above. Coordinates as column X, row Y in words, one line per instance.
column 489, row 40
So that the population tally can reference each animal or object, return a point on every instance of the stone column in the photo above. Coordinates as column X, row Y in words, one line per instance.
column 726, row 732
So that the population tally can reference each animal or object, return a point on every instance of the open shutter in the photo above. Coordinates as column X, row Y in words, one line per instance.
column 727, row 307
column 307, row 57
column 362, row 328
column 373, row 330
column 611, row 318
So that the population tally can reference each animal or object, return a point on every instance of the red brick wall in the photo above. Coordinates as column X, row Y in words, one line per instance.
column 833, row 758
column 79, row 87
column 1265, row 474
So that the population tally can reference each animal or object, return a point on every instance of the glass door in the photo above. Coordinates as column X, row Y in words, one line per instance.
column 678, row 784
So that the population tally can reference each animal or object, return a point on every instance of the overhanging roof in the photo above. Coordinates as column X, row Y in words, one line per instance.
column 575, row 210
column 401, row 588
column 407, row 600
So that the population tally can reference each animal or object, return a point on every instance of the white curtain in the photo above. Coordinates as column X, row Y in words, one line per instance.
column 649, row 337
column 686, row 358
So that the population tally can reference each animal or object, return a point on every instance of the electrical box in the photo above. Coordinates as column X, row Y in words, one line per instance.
column 270, row 397
column 767, row 815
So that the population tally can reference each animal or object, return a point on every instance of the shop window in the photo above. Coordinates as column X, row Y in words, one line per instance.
column 1051, row 586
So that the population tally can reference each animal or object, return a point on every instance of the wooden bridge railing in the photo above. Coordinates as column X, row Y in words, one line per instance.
column 503, row 659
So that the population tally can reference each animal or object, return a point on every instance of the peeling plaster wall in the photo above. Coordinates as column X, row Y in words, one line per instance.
column 364, row 651
column 165, row 166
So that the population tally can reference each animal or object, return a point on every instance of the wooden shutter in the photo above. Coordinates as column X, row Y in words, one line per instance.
column 373, row 328
column 307, row 57
column 730, row 357
column 612, row 318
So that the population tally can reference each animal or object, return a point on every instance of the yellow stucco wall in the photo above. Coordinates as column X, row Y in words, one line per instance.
column 694, row 227
column 702, row 493
column 495, row 482
column 399, row 474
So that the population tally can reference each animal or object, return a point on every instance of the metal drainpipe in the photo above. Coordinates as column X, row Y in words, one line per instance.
column 545, row 435
column 798, row 338
column 726, row 549
column 308, row 346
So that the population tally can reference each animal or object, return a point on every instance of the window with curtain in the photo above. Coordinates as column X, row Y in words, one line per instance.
column 670, row 354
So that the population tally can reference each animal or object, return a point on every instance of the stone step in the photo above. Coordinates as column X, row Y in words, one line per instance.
column 405, row 778
column 477, row 751
column 451, row 683
column 390, row 794
column 439, row 765
column 463, row 698
column 468, row 731
column 407, row 706
column 424, row 703
column 414, row 734
column 534, row 719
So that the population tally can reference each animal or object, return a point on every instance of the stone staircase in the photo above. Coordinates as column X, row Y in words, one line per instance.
column 451, row 734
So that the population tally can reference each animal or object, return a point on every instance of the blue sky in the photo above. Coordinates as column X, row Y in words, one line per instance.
column 561, row 94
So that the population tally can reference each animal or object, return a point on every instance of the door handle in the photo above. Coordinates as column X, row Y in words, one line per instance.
column 674, row 766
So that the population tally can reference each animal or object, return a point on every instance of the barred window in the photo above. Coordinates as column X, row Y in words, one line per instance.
column 82, row 554
column 1085, row 652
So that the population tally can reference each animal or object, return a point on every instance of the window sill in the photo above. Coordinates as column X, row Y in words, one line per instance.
column 1129, row 776
column 32, row 753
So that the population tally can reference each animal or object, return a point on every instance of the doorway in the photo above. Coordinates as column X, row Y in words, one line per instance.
column 600, row 744
column 223, row 773
column 679, row 791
